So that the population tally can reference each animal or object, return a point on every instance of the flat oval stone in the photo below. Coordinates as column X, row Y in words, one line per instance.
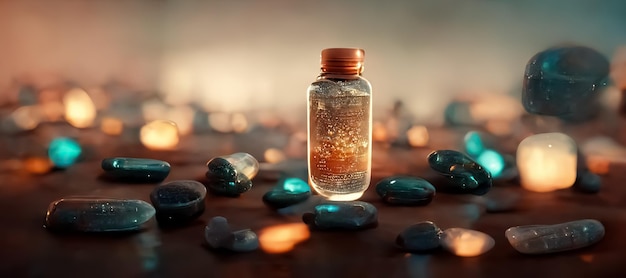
column 405, row 190
column 464, row 175
column 543, row 239
column 466, row 242
column 289, row 191
column 423, row 236
column 178, row 202
column 231, row 175
column 218, row 235
column 348, row 215
column 135, row 169
column 565, row 82
column 92, row 214
column 587, row 182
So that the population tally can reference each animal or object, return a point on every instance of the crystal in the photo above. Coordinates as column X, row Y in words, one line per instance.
column 587, row 182
column 135, row 169
column 218, row 235
column 420, row 237
column 542, row 239
column 565, row 82
column 350, row 215
column 178, row 202
column 231, row 175
column 465, row 242
column 405, row 190
column 92, row 214
column 464, row 175
column 289, row 191
column 547, row 162
column 63, row 152
column 159, row 135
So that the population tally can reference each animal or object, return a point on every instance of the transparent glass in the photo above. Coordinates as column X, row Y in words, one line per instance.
column 339, row 136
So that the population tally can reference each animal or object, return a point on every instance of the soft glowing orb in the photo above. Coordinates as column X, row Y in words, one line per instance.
column 80, row 111
column 239, row 123
column 220, row 122
column 547, row 162
column 183, row 117
column 379, row 132
column 26, row 117
column 63, row 152
column 492, row 161
column 465, row 242
column 474, row 145
column 418, row 136
column 273, row 155
column 159, row 135
column 283, row 238
column 37, row 165
column 295, row 185
column 112, row 126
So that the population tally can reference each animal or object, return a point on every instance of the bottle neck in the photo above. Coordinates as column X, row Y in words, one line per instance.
column 339, row 75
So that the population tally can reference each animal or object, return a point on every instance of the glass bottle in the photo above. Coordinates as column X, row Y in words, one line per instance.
column 340, row 126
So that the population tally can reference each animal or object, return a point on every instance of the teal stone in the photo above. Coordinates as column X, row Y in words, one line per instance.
column 353, row 215
column 178, row 202
column 218, row 235
column 474, row 143
column 64, row 152
column 421, row 237
column 464, row 175
column 587, row 182
column 565, row 82
column 224, row 179
column 405, row 190
column 135, row 169
column 93, row 214
column 492, row 161
column 480, row 147
column 289, row 191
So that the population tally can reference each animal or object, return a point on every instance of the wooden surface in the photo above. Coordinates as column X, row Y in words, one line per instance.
column 29, row 250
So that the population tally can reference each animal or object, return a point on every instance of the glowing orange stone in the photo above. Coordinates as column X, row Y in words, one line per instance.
column 283, row 238
column 465, row 242
column 273, row 155
column 547, row 162
column 418, row 136
column 80, row 111
column 159, row 135
column 37, row 165
column 112, row 126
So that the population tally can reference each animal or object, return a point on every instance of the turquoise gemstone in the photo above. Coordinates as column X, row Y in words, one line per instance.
column 135, row 169
column 464, row 175
column 289, row 191
column 405, row 190
column 493, row 161
column 63, row 152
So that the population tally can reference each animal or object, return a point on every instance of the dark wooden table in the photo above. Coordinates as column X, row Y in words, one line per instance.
column 29, row 250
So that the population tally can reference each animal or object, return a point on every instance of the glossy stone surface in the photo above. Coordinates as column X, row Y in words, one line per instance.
column 343, row 215
column 480, row 147
column 218, row 235
column 289, row 191
column 423, row 236
column 543, row 239
column 547, row 162
column 587, row 182
column 178, row 202
column 405, row 190
column 464, row 175
column 466, row 242
column 231, row 175
column 63, row 152
column 565, row 82
column 135, row 169
column 91, row 214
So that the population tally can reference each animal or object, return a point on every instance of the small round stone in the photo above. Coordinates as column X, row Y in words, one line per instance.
column 289, row 191
column 347, row 215
column 63, row 152
column 423, row 236
column 135, row 169
column 587, row 182
column 405, row 190
column 178, row 202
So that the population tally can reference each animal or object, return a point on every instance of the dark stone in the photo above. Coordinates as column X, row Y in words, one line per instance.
column 587, row 182
column 354, row 215
column 135, row 169
column 405, row 190
column 178, row 202
column 289, row 191
column 218, row 235
column 223, row 178
column 565, row 82
column 423, row 236
column 463, row 174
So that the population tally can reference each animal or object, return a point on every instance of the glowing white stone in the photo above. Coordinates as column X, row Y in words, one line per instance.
column 465, row 242
column 80, row 111
column 159, row 135
column 547, row 162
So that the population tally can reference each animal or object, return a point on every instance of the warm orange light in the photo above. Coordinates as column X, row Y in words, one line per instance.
column 26, row 117
column 52, row 111
column 547, row 162
column 467, row 243
column 379, row 132
column 273, row 155
column 80, row 111
column 112, row 126
column 220, row 122
column 283, row 238
column 37, row 165
column 418, row 136
column 159, row 135
column 588, row 258
column 239, row 123
column 598, row 165
column 183, row 117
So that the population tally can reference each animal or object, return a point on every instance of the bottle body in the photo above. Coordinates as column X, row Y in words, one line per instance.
column 339, row 136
